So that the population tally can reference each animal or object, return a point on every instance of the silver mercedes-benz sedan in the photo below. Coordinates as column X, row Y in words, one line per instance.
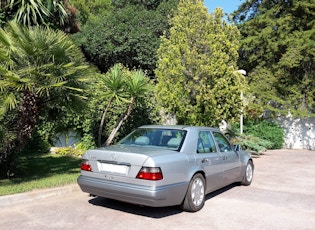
column 165, row 166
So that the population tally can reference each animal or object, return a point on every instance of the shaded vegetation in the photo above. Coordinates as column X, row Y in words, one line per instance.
column 41, row 171
column 259, row 135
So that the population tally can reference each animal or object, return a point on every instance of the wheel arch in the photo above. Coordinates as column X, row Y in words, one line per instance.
column 193, row 173
column 188, row 203
column 196, row 171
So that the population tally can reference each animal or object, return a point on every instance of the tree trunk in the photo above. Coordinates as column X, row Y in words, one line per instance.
column 27, row 118
column 102, row 123
column 24, row 125
column 120, row 122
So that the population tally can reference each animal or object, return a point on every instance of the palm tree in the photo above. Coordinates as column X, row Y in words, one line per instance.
column 136, row 87
column 113, row 83
column 40, row 70
column 30, row 12
column 37, row 12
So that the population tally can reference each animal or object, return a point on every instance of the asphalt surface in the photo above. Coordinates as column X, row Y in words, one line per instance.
column 282, row 196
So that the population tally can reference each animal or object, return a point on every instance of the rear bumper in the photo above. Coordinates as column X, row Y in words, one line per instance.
column 161, row 196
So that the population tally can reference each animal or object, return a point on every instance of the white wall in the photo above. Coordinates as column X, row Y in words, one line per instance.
column 299, row 133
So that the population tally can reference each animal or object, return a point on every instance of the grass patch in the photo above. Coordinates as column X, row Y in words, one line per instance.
column 41, row 171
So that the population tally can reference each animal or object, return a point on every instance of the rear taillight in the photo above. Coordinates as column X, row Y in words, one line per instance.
column 85, row 165
column 150, row 173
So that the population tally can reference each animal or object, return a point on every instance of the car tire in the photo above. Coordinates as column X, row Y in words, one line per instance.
column 195, row 197
column 249, row 172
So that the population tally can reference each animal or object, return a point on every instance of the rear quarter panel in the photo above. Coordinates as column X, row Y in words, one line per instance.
column 176, row 167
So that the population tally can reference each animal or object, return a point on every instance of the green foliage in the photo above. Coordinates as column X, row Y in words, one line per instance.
column 120, row 87
column 87, row 142
column 266, row 130
column 196, row 68
column 277, row 50
column 145, row 112
column 128, row 35
column 263, row 133
column 57, row 14
column 148, row 4
column 92, row 10
column 42, row 72
column 252, row 143
column 43, row 62
column 136, row 86
column 69, row 151
column 36, row 145
column 88, row 121
column 41, row 171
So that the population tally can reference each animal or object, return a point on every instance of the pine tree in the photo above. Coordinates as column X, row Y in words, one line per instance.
column 196, row 67
column 277, row 50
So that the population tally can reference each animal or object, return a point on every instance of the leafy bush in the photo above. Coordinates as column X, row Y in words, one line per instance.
column 87, row 142
column 260, row 134
column 68, row 151
column 36, row 145
column 266, row 130
column 252, row 143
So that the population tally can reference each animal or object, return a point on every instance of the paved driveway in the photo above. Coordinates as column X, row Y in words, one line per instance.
column 282, row 196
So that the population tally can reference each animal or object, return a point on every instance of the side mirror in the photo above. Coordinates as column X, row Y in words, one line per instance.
column 237, row 148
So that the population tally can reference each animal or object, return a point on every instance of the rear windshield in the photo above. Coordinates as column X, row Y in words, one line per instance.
column 165, row 138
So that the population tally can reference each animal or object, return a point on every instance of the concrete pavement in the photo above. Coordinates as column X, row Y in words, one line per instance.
column 280, row 197
column 36, row 194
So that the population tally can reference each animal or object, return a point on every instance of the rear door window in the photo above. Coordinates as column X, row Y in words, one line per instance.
column 205, row 142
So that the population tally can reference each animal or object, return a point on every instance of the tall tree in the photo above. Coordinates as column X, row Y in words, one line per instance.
column 277, row 50
column 40, row 71
column 196, row 67
column 129, row 35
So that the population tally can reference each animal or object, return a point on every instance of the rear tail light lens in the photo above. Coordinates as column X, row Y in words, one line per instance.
column 85, row 165
column 150, row 173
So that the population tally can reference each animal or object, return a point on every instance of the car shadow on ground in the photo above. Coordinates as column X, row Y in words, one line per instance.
column 152, row 212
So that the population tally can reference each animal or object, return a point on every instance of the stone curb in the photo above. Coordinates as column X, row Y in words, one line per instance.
column 37, row 194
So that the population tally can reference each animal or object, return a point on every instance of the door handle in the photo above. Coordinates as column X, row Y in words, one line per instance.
column 205, row 160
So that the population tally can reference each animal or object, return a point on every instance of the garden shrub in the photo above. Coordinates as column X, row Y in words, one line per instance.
column 260, row 135
column 68, row 151
column 37, row 145
column 252, row 143
column 266, row 130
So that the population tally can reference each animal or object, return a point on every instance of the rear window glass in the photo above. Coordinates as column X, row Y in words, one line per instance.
column 165, row 138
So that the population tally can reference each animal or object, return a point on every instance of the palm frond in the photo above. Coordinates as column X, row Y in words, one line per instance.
column 138, row 84
column 31, row 12
column 4, row 38
column 8, row 102
column 43, row 62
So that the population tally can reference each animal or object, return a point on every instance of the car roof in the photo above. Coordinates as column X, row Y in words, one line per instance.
column 186, row 127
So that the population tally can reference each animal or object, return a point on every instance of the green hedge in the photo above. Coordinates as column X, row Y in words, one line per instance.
column 260, row 135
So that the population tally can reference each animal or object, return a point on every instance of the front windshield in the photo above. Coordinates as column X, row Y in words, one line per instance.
column 165, row 138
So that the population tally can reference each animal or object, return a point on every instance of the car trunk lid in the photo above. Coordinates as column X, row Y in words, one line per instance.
column 125, row 161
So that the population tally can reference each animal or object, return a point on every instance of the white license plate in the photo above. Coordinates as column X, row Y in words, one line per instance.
column 121, row 169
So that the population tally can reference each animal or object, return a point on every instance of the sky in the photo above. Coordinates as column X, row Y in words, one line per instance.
column 228, row 6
